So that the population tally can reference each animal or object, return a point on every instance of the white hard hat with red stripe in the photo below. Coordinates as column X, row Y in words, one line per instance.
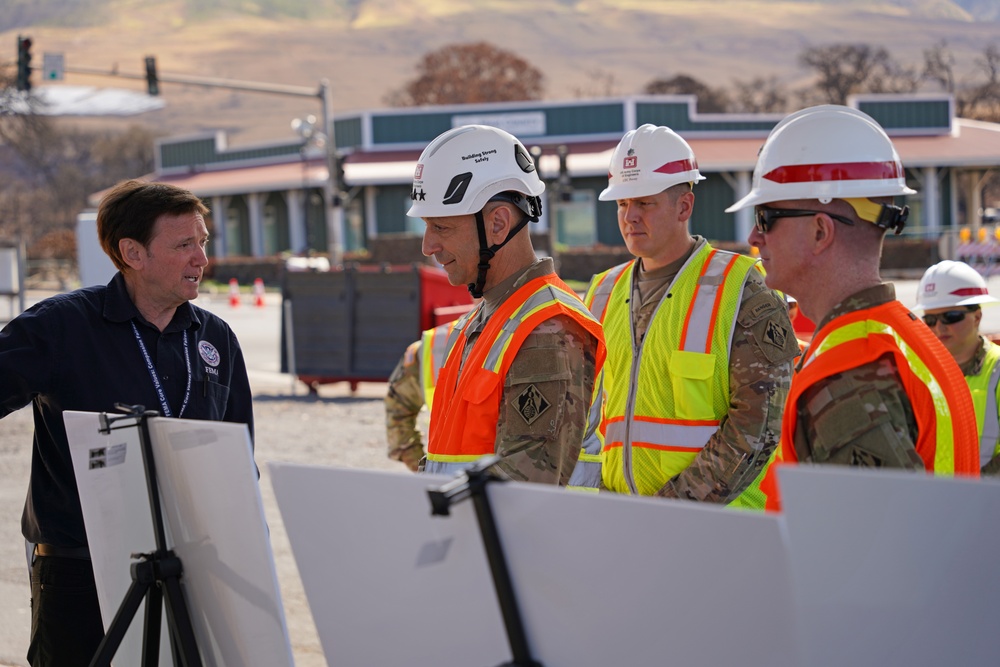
column 647, row 161
column 950, row 283
column 826, row 152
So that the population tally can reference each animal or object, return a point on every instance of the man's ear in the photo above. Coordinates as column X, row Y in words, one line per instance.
column 824, row 230
column 685, row 206
column 499, row 223
column 132, row 252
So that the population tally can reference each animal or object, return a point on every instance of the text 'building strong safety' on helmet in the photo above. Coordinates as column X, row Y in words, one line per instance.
column 826, row 152
column 647, row 161
column 948, row 284
column 463, row 168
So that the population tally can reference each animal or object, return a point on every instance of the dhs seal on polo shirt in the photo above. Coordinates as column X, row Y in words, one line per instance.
column 210, row 355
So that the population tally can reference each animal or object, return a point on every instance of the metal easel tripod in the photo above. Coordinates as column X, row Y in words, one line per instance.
column 155, row 576
column 472, row 483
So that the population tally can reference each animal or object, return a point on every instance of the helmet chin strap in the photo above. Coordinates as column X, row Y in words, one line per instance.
column 486, row 252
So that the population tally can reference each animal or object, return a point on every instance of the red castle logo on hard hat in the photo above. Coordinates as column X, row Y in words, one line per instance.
column 930, row 287
column 418, row 174
column 631, row 161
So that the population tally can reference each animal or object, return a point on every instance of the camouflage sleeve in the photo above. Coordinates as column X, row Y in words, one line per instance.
column 403, row 401
column 546, row 399
column 862, row 417
column 760, row 370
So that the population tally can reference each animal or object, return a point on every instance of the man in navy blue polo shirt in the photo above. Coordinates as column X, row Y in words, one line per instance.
column 137, row 340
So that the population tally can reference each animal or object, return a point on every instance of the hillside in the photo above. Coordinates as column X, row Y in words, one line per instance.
column 366, row 48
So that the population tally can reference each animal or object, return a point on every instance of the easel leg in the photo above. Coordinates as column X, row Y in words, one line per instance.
column 116, row 631
column 181, row 629
column 151, row 627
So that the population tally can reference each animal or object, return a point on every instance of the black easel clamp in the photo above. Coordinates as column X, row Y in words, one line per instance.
column 155, row 576
column 471, row 483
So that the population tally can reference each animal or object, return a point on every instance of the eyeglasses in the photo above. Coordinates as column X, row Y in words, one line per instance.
column 764, row 218
column 947, row 317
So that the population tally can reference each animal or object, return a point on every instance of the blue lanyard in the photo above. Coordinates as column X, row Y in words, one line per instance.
column 156, row 378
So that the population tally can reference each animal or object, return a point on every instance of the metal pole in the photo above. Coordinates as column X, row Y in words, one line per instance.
column 335, row 210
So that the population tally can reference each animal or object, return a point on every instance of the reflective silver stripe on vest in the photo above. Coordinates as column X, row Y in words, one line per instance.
column 586, row 474
column 446, row 468
column 457, row 330
column 545, row 295
column 664, row 435
column 991, row 420
column 602, row 293
column 703, row 308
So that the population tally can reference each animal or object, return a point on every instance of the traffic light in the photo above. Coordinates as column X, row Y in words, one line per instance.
column 337, row 179
column 152, row 82
column 23, row 63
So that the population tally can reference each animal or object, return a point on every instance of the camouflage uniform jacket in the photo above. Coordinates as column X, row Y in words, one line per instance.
column 555, row 366
column 862, row 417
column 760, row 368
column 404, row 400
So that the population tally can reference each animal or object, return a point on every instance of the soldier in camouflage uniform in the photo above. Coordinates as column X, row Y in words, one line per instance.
column 874, row 388
column 520, row 369
column 404, row 401
column 716, row 448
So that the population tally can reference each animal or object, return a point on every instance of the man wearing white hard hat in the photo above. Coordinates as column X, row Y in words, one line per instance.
column 699, row 349
column 950, row 297
column 874, row 388
column 520, row 367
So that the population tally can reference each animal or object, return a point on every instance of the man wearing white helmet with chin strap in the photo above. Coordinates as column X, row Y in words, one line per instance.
column 874, row 388
column 520, row 367
column 950, row 296
column 699, row 350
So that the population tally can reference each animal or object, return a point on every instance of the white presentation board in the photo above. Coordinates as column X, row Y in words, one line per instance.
column 893, row 568
column 214, row 521
column 600, row 579
column 387, row 583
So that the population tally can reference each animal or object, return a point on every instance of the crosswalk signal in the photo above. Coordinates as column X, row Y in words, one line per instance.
column 23, row 63
column 152, row 83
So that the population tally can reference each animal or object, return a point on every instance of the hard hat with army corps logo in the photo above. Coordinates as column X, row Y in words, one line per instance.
column 950, row 283
column 826, row 152
column 647, row 161
column 463, row 168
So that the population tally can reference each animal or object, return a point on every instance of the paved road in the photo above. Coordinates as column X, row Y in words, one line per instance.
column 333, row 428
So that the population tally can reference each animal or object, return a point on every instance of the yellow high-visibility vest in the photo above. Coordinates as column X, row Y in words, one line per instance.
column 985, row 400
column 433, row 352
column 665, row 397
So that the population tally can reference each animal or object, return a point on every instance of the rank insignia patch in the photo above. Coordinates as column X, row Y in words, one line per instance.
column 530, row 404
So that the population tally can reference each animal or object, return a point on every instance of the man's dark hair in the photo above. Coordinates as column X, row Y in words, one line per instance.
column 129, row 211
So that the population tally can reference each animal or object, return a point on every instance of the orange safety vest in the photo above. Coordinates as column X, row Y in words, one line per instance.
column 463, row 425
column 947, row 440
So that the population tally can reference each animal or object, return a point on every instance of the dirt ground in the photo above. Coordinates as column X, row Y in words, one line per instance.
column 331, row 428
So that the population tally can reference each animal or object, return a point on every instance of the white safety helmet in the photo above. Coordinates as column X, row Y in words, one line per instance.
column 462, row 169
column 826, row 152
column 951, row 283
column 647, row 161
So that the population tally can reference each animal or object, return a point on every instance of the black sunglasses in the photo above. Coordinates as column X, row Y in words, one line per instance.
column 948, row 317
column 764, row 218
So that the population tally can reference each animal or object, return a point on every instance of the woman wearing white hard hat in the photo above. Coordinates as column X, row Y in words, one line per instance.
column 950, row 297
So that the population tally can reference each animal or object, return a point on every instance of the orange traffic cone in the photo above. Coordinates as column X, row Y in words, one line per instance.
column 234, row 292
column 258, row 292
